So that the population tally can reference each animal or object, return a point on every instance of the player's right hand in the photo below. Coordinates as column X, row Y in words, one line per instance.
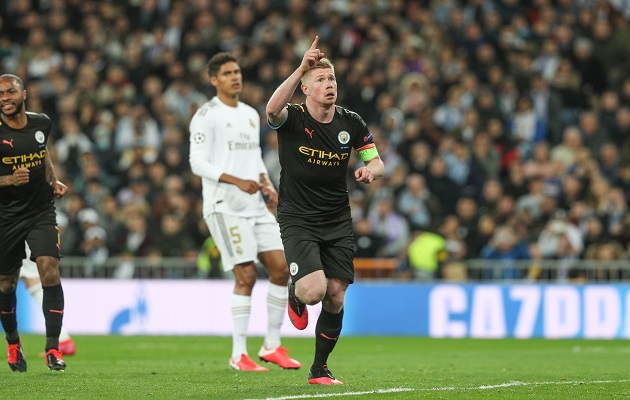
column 59, row 188
column 249, row 186
column 21, row 176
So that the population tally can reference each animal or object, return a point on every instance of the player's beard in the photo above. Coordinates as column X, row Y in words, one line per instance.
column 18, row 108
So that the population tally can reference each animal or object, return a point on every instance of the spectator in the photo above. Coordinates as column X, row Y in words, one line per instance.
column 367, row 243
column 526, row 127
column 462, row 168
column 93, row 244
column 516, row 182
column 133, row 238
column 137, row 137
column 480, row 236
column 621, row 130
column 486, row 155
column 425, row 254
column 415, row 202
column 467, row 214
column 566, row 151
column 572, row 192
column 568, row 83
column 173, row 240
column 540, row 164
column 486, row 106
column 507, row 247
column 532, row 201
column 442, row 186
column 590, row 68
column 389, row 224
column 183, row 98
column 602, row 254
column 420, row 157
column 491, row 194
column 449, row 115
column 593, row 136
column 560, row 240
column 547, row 104
column 72, row 145
column 609, row 161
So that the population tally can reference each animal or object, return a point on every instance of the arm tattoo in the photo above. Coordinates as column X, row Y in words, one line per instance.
column 50, row 170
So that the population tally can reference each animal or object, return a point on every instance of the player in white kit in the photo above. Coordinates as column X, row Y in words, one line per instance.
column 237, row 195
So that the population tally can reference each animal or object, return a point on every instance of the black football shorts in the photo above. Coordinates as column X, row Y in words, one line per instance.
column 322, row 245
column 39, row 230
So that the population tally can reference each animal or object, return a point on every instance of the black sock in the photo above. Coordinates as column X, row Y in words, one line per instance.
column 8, row 317
column 53, row 314
column 327, row 333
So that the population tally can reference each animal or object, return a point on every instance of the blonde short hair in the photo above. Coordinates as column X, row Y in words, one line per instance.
column 323, row 63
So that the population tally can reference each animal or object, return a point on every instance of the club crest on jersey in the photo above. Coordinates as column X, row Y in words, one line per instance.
column 39, row 136
column 293, row 268
column 252, row 123
column 343, row 137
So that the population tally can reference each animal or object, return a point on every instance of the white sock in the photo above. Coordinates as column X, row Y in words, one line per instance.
column 241, row 308
column 38, row 295
column 276, row 309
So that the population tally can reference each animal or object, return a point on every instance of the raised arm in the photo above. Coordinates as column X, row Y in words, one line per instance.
column 276, row 107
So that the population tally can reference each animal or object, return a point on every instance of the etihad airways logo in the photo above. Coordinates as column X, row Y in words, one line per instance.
column 322, row 157
column 25, row 160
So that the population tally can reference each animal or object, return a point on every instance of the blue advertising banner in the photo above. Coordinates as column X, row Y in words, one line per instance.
column 488, row 310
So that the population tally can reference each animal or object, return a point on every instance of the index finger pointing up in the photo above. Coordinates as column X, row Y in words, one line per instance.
column 314, row 45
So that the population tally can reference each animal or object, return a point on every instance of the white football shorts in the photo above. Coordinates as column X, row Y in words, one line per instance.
column 240, row 239
column 29, row 267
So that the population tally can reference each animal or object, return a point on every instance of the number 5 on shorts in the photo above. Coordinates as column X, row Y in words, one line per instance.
column 236, row 237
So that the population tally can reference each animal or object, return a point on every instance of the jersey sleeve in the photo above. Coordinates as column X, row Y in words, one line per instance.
column 364, row 142
column 275, row 127
column 201, row 138
column 288, row 125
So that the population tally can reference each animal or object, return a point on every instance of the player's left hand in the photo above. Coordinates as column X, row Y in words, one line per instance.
column 270, row 195
column 364, row 175
column 312, row 56
column 59, row 188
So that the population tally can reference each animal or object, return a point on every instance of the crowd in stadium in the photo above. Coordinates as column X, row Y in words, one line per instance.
column 503, row 124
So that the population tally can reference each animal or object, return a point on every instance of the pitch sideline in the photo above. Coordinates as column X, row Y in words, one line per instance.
column 437, row 389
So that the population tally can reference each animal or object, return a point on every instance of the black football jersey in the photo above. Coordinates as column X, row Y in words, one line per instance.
column 314, row 157
column 19, row 148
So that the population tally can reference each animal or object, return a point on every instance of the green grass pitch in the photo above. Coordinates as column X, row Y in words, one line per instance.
column 159, row 367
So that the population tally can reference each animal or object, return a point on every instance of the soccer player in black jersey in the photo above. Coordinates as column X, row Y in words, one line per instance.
column 28, row 186
column 315, row 142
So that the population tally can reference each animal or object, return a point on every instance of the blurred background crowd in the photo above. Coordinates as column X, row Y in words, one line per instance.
column 504, row 125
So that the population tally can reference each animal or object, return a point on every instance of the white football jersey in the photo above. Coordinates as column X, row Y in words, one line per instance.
column 226, row 139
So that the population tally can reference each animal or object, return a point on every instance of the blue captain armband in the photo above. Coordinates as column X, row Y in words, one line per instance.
column 366, row 154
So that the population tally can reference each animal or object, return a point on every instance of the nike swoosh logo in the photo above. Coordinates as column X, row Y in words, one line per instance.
column 8, row 312
column 57, row 311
